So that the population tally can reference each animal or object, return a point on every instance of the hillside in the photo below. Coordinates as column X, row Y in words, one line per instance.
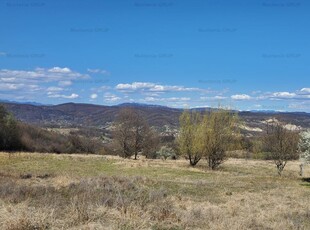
column 89, row 115
column 71, row 114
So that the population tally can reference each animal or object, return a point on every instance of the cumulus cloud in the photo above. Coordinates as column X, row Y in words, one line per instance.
column 40, row 75
column 303, row 94
column 170, row 99
column 152, row 87
column 305, row 90
column 240, row 97
column 8, row 86
column 109, row 97
column 33, row 83
column 282, row 95
column 59, row 70
column 94, row 96
column 72, row 96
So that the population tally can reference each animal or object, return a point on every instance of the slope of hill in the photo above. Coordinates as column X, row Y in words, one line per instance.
column 89, row 115
column 71, row 114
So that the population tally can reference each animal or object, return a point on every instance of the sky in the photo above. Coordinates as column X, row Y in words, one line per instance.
column 241, row 54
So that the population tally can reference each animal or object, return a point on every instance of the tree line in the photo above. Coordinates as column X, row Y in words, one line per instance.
column 208, row 135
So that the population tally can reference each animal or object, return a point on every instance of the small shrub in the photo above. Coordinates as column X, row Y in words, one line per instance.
column 25, row 223
column 26, row 176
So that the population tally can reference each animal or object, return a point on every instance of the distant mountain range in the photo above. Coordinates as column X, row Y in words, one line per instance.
column 90, row 115
column 16, row 102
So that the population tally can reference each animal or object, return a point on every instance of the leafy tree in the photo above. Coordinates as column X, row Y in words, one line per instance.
column 188, row 136
column 304, row 149
column 9, row 134
column 217, row 131
column 281, row 144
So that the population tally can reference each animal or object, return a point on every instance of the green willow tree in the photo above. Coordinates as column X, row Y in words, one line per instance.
column 188, row 136
column 207, row 136
column 217, row 131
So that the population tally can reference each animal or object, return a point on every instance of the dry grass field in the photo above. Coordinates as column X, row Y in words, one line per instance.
column 47, row 191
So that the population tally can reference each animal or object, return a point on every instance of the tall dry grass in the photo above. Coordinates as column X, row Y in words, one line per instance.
column 243, row 194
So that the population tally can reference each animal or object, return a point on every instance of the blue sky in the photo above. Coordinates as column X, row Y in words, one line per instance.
column 249, row 55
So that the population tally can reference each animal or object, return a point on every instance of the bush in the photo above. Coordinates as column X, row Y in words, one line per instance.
column 165, row 152
column 35, row 139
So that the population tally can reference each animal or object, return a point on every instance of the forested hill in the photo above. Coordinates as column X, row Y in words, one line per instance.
column 74, row 115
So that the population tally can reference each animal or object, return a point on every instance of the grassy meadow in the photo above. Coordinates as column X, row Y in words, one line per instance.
column 49, row 191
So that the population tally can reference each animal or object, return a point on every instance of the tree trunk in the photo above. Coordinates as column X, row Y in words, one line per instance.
column 192, row 162
column 280, row 168
column 301, row 173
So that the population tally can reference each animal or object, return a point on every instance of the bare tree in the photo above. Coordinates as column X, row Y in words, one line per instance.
column 282, row 145
column 132, row 132
column 151, row 144
column 123, row 132
column 140, row 130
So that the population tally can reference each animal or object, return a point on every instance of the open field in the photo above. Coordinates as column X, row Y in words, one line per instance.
column 47, row 191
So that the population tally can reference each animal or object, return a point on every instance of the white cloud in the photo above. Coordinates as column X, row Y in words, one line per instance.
column 54, row 89
column 213, row 98
column 18, row 86
column 303, row 94
column 150, row 99
column 60, row 70
column 169, row 99
column 152, row 87
column 100, row 71
column 305, row 90
column 109, row 97
column 241, row 97
column 33, row 84
column 94, row 96
column 281, row 95
column 8, row 86
column 41, row 75
column 219, row 97
column 72, row 96
column 65, row 83
column 8, row 79
column 178, row 99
